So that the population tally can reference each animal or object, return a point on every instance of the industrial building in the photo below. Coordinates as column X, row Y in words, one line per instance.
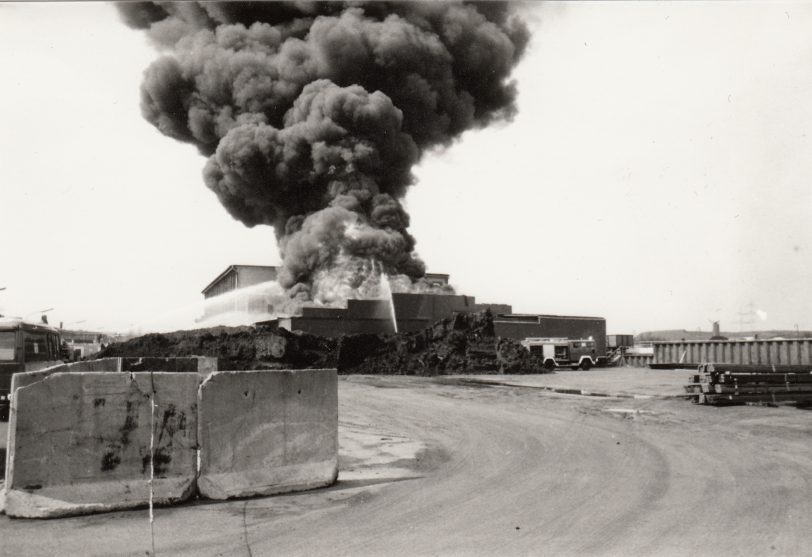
column 410, row 312
column 415, row 312
column 521, row 326
column 405, row 312
column 83, row 344
column 236, row 277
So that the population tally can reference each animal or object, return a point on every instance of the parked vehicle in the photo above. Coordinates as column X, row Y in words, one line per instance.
column 556, row 352
column 24, row 346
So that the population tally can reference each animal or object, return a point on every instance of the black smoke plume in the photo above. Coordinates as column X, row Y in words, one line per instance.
column 312, row 115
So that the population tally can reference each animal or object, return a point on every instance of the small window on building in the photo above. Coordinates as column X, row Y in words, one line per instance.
column 8, row 342
column 36, row 347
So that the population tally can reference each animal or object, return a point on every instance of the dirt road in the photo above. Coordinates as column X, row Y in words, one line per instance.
column 444, row 469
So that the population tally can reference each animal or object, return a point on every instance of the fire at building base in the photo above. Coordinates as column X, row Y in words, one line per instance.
column 404, row 333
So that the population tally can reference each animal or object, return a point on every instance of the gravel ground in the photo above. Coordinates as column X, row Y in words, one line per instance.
column 623, row 381
column 430, row 467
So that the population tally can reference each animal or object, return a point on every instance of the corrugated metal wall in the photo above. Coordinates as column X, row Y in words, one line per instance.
column 226, row 284
column 638, row 360
column 249, row 276
column 753, row 352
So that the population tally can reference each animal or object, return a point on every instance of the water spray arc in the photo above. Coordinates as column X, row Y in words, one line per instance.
column 386, row 292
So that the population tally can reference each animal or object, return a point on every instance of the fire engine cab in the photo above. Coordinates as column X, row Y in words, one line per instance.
column 555, row 352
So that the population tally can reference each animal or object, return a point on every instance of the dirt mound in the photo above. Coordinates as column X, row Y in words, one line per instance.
column 236, row 347
column 464, row 343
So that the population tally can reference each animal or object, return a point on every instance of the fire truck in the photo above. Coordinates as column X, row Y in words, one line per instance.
column 563, row 352
column 24, row 346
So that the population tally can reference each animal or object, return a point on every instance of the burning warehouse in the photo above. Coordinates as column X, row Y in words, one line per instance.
column 249, row 290
column 408, row 312
column 239, row 289
column 312, row 115
column 237, row 278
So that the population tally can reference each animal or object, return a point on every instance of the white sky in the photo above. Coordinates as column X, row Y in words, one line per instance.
column 657, row 174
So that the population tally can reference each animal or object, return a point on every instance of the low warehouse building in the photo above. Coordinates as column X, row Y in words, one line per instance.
column 415, row 312
column 521, row 326
column 406, row 312
column 411, row 312
column 234, row 278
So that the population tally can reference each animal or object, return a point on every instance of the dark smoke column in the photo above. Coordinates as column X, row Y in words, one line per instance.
column 313, row 114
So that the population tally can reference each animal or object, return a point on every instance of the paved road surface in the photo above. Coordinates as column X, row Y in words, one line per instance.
column 468, row 470
column 623, row 381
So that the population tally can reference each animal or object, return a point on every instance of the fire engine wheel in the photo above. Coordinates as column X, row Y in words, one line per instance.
column 549, row 365
column 586, row 364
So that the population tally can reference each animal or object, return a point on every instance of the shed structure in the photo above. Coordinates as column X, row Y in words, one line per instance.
column 235, row 278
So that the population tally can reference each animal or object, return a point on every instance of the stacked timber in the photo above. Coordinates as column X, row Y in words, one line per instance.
column 724, row 384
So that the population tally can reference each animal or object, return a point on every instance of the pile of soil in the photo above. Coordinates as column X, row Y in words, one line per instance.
column 235, row 347
column 463, row 343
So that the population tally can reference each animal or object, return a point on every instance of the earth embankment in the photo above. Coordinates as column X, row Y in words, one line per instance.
column 463, row 343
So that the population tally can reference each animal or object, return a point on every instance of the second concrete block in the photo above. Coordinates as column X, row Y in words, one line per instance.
column 266, row 432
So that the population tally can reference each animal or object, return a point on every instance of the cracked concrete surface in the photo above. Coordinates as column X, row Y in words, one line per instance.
column 80, row 442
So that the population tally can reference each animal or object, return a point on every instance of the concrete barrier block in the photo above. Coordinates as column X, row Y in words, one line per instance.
column 26, row 378
column 80, row 442
column 23, row 379
column 266, row 432
column 201, row 364
column 104, row 364
column 206, row 364
column 149, row 363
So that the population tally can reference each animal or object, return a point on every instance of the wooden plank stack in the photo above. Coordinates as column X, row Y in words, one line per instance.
column 726, row 384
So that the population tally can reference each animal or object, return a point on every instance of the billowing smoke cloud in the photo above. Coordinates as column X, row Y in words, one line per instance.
column 312, row 115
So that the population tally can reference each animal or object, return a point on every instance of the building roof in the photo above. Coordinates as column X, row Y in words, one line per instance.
column 231, row 268
column 520, row 316
column 12, row 323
